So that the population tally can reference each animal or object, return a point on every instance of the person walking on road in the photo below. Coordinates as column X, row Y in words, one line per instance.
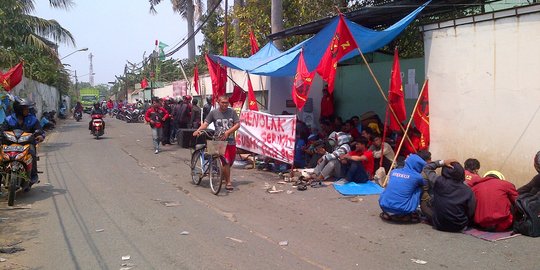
column 156, row 115
column 226, row 122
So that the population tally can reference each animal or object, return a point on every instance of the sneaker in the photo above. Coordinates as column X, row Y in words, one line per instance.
column 341, row 182
column 157, row 151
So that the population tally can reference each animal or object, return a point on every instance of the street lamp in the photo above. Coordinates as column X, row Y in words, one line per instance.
column 79, row 50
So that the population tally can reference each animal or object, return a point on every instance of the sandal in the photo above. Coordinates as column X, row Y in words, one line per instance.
column 317, row 184
column 229, row 187
column 301, row 187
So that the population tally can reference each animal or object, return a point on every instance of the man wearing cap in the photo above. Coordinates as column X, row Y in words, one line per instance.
column 495, row 199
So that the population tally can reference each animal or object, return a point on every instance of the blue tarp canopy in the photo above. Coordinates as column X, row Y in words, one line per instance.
column 269, row 61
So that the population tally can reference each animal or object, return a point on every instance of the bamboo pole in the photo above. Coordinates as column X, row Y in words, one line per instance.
column 384, row 97
column 406, row 130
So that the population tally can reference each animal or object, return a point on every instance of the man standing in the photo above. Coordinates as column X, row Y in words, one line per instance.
column 226, row 122
column 156, row 115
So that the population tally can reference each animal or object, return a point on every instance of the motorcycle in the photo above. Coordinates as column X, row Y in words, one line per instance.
column 98, row 125
column 62, row 113
column 16, row 161
column 133, row 116
column 77, row 115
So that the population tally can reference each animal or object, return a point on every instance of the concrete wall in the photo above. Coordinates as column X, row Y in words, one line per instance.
column 484, row 90
column 47, row 98
column 356, row 92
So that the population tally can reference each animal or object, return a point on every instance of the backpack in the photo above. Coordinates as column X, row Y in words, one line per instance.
column 527, row 214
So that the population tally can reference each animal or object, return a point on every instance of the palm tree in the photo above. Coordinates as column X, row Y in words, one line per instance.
column 21, row 28
column 277, row 20
column 186, row 9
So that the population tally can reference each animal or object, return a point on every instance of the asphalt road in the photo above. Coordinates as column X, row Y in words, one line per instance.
column 100, row 200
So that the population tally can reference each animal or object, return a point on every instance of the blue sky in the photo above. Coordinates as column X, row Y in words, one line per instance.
column 114, row 31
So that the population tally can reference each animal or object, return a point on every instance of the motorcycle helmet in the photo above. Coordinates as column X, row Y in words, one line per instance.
column 537, row 162
column 20, row 104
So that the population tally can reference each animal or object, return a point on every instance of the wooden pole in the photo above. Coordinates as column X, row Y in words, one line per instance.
column 385, row 98
column 406, row 130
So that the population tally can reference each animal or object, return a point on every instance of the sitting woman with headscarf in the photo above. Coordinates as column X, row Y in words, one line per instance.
column 533, row 186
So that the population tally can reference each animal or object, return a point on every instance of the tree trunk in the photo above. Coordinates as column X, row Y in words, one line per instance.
column 191, row 29
column 277, row 20
column 210, row 4
column 236, row 21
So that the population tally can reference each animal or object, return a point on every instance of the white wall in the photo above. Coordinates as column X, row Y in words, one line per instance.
column 485, row 92
column 47, row 98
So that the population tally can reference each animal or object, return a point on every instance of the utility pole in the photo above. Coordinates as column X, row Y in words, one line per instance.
column 77, row 87
column 91, row 79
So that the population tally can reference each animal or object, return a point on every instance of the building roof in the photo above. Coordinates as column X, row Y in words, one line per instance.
column 380, row 16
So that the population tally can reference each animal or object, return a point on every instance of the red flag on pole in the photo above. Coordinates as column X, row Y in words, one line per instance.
column 12, row 77
column 252, row 101
column 196, row 79
column 396, row 98
column 302, row 82
column 144, row 83
column 341, row 44
column 238, row 97
column 421, row 118
column 218, row 74
column 253, row 42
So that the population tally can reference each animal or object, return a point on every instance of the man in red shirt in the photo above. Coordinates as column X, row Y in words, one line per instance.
column 494, row 200
column 472, row 166
column 360, row 163
column 155, row 116
column 327, row 104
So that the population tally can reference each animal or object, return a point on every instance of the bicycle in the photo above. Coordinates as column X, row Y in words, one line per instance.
column 207, row 160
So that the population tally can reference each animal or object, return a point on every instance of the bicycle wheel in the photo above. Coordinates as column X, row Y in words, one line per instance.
column 197, row 170
column 215, row 174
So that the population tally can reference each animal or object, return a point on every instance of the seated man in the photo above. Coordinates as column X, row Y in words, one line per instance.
column 401, row 196
column 329, row 165
column 349, row 128
column 453, row 202
column 386, row 153
column 472, row 166
column 533, row 186
column 495, row 199
column 358, row 164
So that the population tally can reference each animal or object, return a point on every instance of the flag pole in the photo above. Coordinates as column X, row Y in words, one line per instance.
column 406, row 130
column 384, row 97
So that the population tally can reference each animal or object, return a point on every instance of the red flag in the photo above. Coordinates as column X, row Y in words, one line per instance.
column 12, row 77
column 144, row 83
column 252, row 101
column 421, row 118
column 196, row 79
column 238, row 97
column 218, row 74
column 225, row 49
column 342, row 43
column 396, row 99
column 253, row 42
column 302, row 82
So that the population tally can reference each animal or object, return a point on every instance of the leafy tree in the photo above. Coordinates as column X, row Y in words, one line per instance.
column 23, row 36
column 186, row 9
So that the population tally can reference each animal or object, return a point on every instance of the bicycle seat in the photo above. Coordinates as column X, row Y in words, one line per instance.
column 199, row 146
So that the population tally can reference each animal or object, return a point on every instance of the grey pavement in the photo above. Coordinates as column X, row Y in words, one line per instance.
column 103, row 199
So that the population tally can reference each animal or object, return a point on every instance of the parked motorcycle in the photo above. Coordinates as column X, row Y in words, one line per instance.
column 98, row 125
column 16, row 161
column 133, row 116
column 62, row 113
column 77, row 115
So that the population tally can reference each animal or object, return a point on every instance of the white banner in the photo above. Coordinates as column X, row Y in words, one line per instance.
column 269, row 135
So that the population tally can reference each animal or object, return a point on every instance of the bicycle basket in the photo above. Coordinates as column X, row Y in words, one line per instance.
column 216, row 147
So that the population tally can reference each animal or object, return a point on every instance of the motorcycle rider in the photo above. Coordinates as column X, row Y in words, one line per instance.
column 22, row 119
column 96, row 110
column 78, row 108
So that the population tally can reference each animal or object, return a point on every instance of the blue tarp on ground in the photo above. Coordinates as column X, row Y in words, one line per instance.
column 270, row 62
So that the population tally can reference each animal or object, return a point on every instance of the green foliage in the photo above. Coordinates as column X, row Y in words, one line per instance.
column 26, row 37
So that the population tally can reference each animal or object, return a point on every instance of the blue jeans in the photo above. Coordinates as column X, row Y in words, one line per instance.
column 156, row 137
column 356, row 173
